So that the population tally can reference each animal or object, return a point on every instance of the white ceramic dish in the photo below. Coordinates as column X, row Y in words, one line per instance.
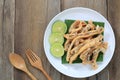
column 80, row 70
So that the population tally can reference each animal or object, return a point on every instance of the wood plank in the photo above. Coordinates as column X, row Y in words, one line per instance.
column 103, row 75
column 93, row 4
column 114, row 19
column 32, row 18
column 53, row 9
column 94, row 77
column 63, row 77
column 7, row 12
column 29, row 30
column 1, row 35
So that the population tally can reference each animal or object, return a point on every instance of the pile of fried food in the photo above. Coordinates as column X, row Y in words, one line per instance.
column 84, row 39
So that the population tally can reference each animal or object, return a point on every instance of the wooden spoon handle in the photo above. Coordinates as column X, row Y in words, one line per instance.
column 45, row 73
column 29, row 74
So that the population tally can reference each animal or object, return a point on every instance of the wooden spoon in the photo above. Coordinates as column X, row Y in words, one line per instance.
column 18, row 62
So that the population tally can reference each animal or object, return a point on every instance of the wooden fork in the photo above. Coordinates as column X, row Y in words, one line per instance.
column 36, row 62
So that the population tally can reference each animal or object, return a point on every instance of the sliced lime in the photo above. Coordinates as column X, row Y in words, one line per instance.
column 59, row 26
column 57, row 50
column 56, row 38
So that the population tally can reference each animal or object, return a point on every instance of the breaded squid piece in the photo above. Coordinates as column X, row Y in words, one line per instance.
column 92, row 43
column 77, row 28
column 77, row 47
column 86, row 29
column 79, row 37
column 70, row 47
column 67, row 44
column 70, row 36
column 74, row 26
column 89, row 26
column 92, row 26
column 77, row 42
column 94, row 58
column 85, row 56
column 86, row 34
column 102, row 48
column 92, row 32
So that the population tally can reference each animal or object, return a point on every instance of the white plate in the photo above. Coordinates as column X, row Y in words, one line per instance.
column 80, row 70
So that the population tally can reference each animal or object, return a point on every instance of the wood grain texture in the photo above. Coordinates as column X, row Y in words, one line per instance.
column 1, row 35
column 7, row 15
column 22, row 26
column 104, row 74
column 98, row 5
column 30, row 25
column 32, row 18
column 114, row 19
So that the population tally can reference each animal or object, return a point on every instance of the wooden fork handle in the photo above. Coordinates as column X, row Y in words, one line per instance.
column 45, row 73
column 29, row 74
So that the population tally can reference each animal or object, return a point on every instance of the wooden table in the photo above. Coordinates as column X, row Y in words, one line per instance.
column 22, row 26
